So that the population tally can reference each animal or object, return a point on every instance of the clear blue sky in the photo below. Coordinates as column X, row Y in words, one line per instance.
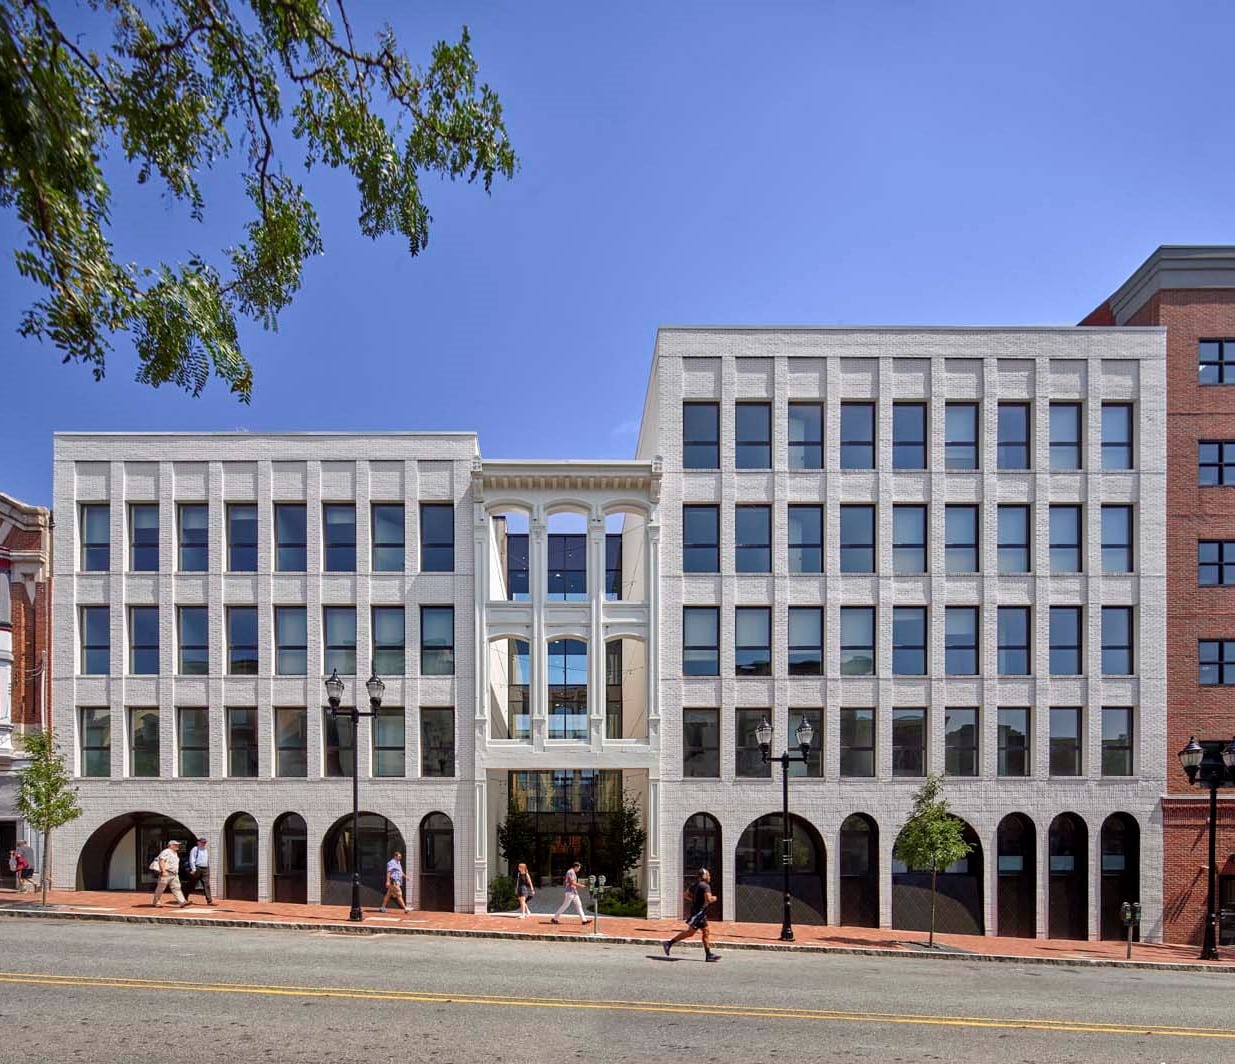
column 762, row 163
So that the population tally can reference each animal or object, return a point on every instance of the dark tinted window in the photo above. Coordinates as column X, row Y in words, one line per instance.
column 805, row 436
column 437, row 537
column 1013, row 444
column 960, row 449
column 857, row 435
column 753, row 539
column 908, row 435
column 388, row 537
column 753, row 436
column 700, row 436
column 290, row 533
column 700, row 539
column 194, row 521
column 339, row 535
column 242, row 537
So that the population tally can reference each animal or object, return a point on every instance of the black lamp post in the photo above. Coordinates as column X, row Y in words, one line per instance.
column 803, row 734
column 1211, row 764
column 334, row 695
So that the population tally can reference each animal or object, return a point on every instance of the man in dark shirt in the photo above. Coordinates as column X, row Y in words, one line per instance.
column 701, row 897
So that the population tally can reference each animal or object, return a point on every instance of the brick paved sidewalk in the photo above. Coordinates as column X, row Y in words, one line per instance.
column 131, row 905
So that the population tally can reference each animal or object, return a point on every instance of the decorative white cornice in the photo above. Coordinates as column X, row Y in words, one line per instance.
column 502, row 475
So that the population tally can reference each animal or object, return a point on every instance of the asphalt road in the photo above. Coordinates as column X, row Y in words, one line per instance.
column 177, row 995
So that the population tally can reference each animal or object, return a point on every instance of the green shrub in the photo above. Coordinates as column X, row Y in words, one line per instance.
column 624, row 901
column 502, row 897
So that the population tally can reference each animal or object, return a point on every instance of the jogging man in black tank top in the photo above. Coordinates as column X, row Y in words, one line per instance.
column 701, row 897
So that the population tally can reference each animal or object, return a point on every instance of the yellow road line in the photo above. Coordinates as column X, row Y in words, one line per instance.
column 743, row 1011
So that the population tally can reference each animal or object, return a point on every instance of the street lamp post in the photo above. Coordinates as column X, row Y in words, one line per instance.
column 334, row 695
column 803, row 735
column 1210, row 763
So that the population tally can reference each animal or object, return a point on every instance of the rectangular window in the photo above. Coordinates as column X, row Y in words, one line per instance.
column 1066, row 436
column 437, row 640
column 805, row 436
column 143, row 742
column 291, row 641
column 813, row 766
column 144, row 538
column 1217, row 361
column 748, row 757
column 960, row 530
column 95, row 537
column 613, row 567
column 242, row 659
column 960, row 428
column 1215, row 560
column 857, row 742
column 805, row 641
column 1013, row 639
column 960, row 741
column 806, row 539
column 1065, row 640
column 700, row 641
column 1117, row 539
column 241, row 742
column 291, row 728
column 437, row 742
column 700, row 539
column 194, row 528
column 1013, row 741
column 753, row 652
column 96, row 741
column 1013, row 440
column 857, row 640
column 960, row 640
column 1013, row 539
column 701, row 743
column 144, row 640
column 518, row 585
column 700, row 436
column 753, row 436
column 340, row 741
column 909, row 741
column 567, row 576
column 192, row 623
column 1215, row 463
column 389, row 739
column 389, row 655
column 193, row 741
column 339, row 624
column 908, row 435
column 568, row 683
column 1065, row 741
column 339, row 537
column 95, row 640
column 857, row 539
column 1065, row 522
column 1116, row 435
column 290, row 537
column 908, row 539
column 752, row 545
column 241, row 537
column 857, row 435
column 388, row 537
column 1217, row 662
column 1117, row 740
column 1117, row 640
column 437, row 537
column 909, row 641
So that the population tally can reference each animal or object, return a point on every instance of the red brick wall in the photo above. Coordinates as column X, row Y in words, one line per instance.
column 31, row 636
column 1185, row 833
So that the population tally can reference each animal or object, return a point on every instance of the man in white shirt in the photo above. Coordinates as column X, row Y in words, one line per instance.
column 167, row 866
column 199, row 869
column 571, row 896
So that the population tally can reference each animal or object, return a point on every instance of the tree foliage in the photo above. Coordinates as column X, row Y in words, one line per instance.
column 516, row 836
column 932, row 838
column 624, row 840
column 46, row 798
column 181, row 86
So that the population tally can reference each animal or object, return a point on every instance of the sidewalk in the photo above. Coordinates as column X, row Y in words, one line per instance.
column 107, row 905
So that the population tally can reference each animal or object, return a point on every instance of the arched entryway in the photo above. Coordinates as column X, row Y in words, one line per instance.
column 1017, row 901
column 240, row 857
column 958, row 902
column 118, row 854
column 1121, row 871
column 760, row 893
column 437, row 864
column 859, row 871
column 1068, row 893
column 702, row 848
column 376, row 842
column 291, row 859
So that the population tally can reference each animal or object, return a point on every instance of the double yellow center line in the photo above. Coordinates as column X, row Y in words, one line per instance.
column 584, row 1004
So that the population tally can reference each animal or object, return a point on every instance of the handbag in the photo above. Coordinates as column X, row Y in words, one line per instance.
column 155, row 866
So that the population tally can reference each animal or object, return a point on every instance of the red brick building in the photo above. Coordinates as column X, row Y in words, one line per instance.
column 1190, row 290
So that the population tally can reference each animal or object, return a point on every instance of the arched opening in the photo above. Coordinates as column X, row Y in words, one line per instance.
column 625, row 553
column 568, row 666
column 1017, row 900
column 626, row 690
column 958, row 901
column 377, row 839
column 291, row 859
column 437, row 863
column 240, row 857
column 1121, row 872
column 760, row 891
column 701, row 848
column 859, row 871
column 509, row 557
column 510, row 707
column 1068, row 893
column 566, row 576
column 118, row 854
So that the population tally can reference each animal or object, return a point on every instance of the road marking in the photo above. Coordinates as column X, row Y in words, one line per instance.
column 743, row 1011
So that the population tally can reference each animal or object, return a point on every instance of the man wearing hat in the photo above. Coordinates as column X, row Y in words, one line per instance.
column 167, row 866
column 199, row 869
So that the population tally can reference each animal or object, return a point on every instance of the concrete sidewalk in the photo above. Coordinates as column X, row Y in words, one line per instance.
column 109, row 905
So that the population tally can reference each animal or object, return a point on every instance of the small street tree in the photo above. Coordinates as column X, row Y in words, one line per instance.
column 516, row 838
column 932, row 838
column 46, row 798
column 624, row 842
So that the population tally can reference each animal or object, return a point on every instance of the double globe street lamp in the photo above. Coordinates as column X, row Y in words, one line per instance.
column 1210, row 763
column 803, row 734
column 334, row 695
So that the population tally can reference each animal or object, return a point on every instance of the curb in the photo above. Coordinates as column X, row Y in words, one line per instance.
column 614, row 940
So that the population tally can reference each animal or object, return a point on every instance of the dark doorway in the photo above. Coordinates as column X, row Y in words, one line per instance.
column 240, row 852
column 1121, row 872
column 1068, row 892
column 859, row 871
column 437, row 864
column 760, row 891
column 8, row 842
column 291, row 859
column 701, row 848
column 117, row 856
column 376, row 842
column 1017, row 899
column 958, row 902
